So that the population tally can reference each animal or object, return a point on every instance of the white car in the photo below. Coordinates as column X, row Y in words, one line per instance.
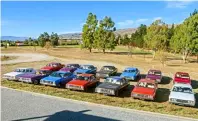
column 182, row 94
column 19, row 71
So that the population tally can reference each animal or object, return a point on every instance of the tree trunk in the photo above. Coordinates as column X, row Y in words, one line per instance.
column 154, row 52
column 103, row 50
column 185, row 55
column 90, row 50
column 197, row 58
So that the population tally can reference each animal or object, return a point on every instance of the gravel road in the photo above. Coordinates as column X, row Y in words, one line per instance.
column 23, row 106
column 25, row 57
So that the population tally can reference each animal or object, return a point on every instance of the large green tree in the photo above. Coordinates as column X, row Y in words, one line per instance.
column 104, row 35
column 156, row 37
column 43, row 38
column 138, row 36
column 54, row 39
column 89, row 29
column 185, row 38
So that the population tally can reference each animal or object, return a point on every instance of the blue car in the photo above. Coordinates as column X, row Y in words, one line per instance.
column 130, row 73
column 57, row 78
column 86, row 69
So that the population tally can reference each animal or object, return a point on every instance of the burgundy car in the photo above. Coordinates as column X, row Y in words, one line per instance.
column 182, row 77
column 154, row 75
column 34, row 78
column 66, row 69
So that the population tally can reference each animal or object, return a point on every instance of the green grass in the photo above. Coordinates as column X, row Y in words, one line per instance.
column 125, row 102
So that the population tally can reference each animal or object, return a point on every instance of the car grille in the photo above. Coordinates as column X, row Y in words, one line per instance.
column 108, row 91
column 74, row 86
column 24, row 79
column 47, row 82
column 142, row 96
column 182, row 101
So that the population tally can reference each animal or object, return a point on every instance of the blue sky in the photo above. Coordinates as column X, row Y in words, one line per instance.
column 32, row 18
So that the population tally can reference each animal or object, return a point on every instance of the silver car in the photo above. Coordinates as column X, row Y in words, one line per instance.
column 182, row 94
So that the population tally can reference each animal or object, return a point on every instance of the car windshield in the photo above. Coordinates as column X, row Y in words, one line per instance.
column 52, row 65
column 55, row 74
column 20, row 70
column 43, row 72
column 146, row 85
column 184, row 76
column 71, row 66
column 129, row 71
column 154, row 73
column 182, row 89
column 113, row 81
column 86, row 67
column 107, row 68
column 82, row 78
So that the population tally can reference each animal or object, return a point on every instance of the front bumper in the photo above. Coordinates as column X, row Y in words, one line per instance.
column 105, row 91
column 27, row 80
column 50, row 83
column 14, row 78
column 142, row 96
column 182, row 102
column 74, row 87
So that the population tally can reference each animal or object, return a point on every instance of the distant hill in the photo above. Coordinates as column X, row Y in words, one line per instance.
column 13, row 38
column 79, row 35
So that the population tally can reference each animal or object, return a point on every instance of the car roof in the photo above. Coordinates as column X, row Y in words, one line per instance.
column 147, row 80
column 182, row 85
column 88, row 75
column 108, row 66
column 62, row 72
column 115, row 77
column 155, row 70
column 87, row 65
column 182, row 73
column 130, row 68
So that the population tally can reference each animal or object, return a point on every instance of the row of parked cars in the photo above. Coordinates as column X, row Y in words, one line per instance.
column 83, row 77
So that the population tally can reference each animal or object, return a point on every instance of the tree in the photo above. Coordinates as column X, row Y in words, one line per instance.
column 54, row 39
column 156, row 37
column 138, row 36
column 43, row 38
column 185, row 38
column 118, row 39
column 195, row 12
column 89, row 29
column 104, row 35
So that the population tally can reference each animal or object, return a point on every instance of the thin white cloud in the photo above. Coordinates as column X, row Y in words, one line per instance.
column 126, row 23
column 157, row 18
column 141, row 20
column 179, row 4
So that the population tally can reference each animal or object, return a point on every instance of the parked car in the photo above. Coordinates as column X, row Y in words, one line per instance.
column 17, row 72
column 182, row 77
column 112, row 85
column 145, row 89
column 86, row 69
column 107, row 71
column 82, row 82
column 155, row 75
column 67, row 69
column 182, row 94
column 57, row 78
column 34, row 78
column 130, row 73
column 74, row 65
column 53, row 66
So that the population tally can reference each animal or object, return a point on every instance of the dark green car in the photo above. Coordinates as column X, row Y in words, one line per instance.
column 106, row 71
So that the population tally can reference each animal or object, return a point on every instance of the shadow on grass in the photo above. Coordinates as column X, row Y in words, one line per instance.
column 194, row 84
column 166, row 80
column 126, row 53
column 67, row 115
column 126, row 92
column 162, row 95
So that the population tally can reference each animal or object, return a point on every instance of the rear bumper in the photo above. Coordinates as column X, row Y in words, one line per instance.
column 142, row 97
column 75, row 88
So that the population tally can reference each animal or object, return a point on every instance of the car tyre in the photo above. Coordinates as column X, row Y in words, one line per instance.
column 36, row 82
column 117, row 93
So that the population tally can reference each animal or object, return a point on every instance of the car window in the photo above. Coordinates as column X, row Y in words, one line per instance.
column 92, row 78
column 113, row 81
column 55, row 74
column 108, row 68
column 184, row 76
column 129, row 71
column 154, row 73
column 146, row 85
column 182, row 89
column 86, row 67
column 82, row 78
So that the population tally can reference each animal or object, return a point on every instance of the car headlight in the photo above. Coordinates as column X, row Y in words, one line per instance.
column 112, row 92
column 150, row 96
column 134, row 94
column 172, row 99
column 191, row 102
column 82, row 87
column 158, row 80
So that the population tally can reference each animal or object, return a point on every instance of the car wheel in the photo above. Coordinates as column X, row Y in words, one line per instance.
column 36, row 82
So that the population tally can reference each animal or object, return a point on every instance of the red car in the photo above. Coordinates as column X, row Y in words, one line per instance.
column 82, row 82
column 182, row 77
column 145, row 89
column 53, row 66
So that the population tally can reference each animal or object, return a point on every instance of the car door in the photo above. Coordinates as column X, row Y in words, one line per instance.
column 92, row 80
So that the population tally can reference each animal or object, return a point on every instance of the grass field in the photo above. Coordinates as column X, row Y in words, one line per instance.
column 120, row 58
column 6, row 58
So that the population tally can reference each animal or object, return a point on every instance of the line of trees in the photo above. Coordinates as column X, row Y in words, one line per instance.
column 158, row 37
column 46, row 40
